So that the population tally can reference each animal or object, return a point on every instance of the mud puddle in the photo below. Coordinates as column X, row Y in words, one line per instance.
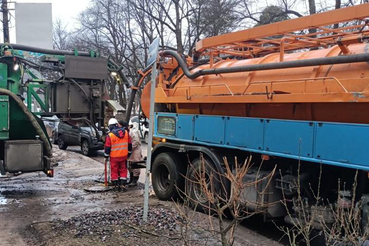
column 3, row 200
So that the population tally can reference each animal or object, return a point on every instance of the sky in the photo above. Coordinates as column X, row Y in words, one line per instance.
column 66, row 10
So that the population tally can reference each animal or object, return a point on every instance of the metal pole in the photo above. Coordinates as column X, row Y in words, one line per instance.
column 4, row 9
column 149, row 144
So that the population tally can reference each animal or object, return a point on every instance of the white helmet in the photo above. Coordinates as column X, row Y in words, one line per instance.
column 112, row 121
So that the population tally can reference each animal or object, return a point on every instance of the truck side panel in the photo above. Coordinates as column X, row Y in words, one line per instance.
column 4, row 117
column 319, row 142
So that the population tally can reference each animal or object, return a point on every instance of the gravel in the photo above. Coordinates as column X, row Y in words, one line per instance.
column 160, row 220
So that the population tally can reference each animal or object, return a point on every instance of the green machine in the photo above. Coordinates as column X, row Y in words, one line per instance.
column 74, row 88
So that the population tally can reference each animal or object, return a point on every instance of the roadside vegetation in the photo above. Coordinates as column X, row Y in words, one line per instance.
column 222, row 198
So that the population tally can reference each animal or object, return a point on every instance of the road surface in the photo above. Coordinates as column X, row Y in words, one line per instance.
column 37, row 210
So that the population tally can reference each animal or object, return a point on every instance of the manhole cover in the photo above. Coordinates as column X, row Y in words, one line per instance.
column 98, row 188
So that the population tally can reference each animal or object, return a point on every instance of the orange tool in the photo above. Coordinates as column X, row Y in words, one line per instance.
column 106, row 173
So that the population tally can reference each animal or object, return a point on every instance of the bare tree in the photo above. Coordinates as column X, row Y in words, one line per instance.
column 123, row 30
column 272, row 14
column 170, row 19
column 210, row 18
column 103, row 28
column 209, row 187
column 61, row 36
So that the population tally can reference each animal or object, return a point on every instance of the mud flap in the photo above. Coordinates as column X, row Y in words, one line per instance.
column 30, row 159
column 48, row 169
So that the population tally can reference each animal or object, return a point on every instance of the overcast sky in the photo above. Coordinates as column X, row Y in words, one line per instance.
column 66, row 10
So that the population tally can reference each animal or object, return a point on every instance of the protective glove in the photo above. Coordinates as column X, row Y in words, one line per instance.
column 106, row 156
column 129, row 153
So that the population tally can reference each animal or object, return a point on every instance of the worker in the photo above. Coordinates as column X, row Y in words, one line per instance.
column 136, row 151
column 123, row 124
column 118, row 147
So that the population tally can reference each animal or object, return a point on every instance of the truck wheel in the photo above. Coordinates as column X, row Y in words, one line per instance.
column 200, row 173
column 85, row 148
column 168, row 176
column 61, row 142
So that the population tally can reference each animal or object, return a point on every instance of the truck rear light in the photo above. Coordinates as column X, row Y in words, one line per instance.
column 50, row 173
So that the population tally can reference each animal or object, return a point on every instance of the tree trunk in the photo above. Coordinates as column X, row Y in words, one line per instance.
column 112, row 89
column 338, row 6
column 178, row 33
column 312, row 10
column 4, row 9
column 312, row 7
column 122, row 95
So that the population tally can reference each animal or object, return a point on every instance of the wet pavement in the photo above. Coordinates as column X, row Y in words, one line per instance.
column 33, row 201
column 99, row 156
column 33, row 197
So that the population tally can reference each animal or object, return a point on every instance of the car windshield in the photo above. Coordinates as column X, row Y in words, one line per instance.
column 87, row 128
column 134, row 119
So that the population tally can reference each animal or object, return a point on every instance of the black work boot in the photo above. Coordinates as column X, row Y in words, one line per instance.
column 122, row 185
column 134, row 182
column 115, row 183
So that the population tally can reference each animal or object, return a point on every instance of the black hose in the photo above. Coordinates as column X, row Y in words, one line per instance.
column 256, row 67
column 59, row 52
column 269, row 66
column 41, row 67
column 133, row 95
column 45, row 51
column 80, row 87
column 120, row 72
column 32, row 119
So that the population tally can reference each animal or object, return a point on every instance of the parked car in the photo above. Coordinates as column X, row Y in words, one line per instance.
column 143, row 127
column 51, row 124
column 81, row 133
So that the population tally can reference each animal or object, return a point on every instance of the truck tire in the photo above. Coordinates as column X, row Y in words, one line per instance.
column 61, row 143
column 85, row 148
column 196, row 196
column 168, row 176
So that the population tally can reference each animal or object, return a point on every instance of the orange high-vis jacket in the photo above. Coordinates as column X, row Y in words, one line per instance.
column 119, row 146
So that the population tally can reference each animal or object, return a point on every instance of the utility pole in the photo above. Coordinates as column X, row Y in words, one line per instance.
column 5, row 10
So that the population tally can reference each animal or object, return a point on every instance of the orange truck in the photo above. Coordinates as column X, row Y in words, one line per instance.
column 293, row 99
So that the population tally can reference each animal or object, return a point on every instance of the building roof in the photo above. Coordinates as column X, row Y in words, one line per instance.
column 115, row 105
